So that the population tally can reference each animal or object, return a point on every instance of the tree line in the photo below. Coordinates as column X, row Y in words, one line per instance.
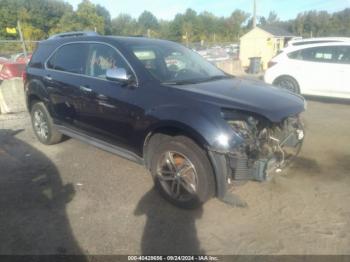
column 41, row 18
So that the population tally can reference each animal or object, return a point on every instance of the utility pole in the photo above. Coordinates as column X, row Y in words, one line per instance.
column 254, row 14
column 22, row 39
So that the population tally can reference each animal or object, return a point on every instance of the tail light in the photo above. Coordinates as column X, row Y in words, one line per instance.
column 271, row 64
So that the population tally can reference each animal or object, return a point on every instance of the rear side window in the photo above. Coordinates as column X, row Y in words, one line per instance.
column 325, row 54
column 70, row 58
column 40, row 55
column 343, row 55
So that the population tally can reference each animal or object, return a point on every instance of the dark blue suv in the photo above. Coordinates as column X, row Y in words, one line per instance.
column 162, row 105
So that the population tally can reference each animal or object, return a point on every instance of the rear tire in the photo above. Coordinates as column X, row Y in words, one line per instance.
column 288, row 83
column 43, row 126
column 182, row 172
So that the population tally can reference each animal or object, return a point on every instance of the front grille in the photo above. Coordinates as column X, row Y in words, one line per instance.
column 243, row 169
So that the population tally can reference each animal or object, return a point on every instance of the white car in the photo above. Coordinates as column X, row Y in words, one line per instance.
column 313, row 69
column 317, row 40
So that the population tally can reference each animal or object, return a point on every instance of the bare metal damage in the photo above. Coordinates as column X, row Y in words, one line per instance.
column 267, row 148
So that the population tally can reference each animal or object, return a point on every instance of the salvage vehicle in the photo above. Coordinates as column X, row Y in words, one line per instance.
column 195, row 128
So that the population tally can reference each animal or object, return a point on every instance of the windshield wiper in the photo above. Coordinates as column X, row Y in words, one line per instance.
column 217, row 77
column 182, row 82
column 196, row 81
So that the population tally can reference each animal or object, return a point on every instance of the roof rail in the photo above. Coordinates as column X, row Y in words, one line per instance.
column 77, row 33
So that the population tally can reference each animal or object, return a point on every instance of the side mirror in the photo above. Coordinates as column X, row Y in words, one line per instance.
column 117, row 74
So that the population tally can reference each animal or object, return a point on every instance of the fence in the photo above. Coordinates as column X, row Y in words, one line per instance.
column 9, row 49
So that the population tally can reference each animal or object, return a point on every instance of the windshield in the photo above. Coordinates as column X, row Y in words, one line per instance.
column 172, row 63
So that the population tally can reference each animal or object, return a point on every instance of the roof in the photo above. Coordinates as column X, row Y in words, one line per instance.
column 92, row 36
column 276, row 31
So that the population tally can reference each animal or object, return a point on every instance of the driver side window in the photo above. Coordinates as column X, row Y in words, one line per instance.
column 175, row 62
column 103, row 57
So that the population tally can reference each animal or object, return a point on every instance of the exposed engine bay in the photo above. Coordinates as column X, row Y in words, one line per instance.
column 267, row 147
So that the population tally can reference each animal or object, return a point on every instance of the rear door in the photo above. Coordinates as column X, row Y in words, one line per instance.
column 317, row 72
column 64, row 79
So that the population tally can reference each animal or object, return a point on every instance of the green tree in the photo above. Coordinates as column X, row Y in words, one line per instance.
column 125, row 25
column 147, row 21
column 262, row 21
column 102, row 11
column 235, row 23
column 272, row 18
column 89, row 18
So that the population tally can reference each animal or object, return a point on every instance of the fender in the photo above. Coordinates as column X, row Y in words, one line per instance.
column 203, row 128
column 36, row 88
column 198, row 127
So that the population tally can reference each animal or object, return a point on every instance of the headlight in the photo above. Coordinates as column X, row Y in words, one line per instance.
column 241, row 122
column 238, row 124
column 240, row 127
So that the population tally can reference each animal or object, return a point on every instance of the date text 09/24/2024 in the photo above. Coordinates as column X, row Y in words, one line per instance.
column 173, row 258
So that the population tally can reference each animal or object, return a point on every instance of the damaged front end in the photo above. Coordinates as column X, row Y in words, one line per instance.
column 263, row 148
column 267, row 148
column 259, row 149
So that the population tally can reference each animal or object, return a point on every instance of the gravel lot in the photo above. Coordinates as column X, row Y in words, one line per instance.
column 74, row 198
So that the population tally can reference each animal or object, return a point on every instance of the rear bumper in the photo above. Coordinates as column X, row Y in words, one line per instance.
column 269, row 76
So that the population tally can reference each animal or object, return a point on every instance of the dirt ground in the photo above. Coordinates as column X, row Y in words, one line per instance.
column 74, row 198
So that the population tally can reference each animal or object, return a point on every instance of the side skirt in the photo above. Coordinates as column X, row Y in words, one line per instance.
column 100, row 144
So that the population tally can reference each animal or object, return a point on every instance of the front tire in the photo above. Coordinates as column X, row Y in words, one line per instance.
column 182, row 172
column 288, row 83
column 43, row 126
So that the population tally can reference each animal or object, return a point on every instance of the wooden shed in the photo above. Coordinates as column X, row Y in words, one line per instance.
column 264, row 42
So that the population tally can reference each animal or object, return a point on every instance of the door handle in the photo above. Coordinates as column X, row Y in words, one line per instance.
column 85, row 89
column 48, row 78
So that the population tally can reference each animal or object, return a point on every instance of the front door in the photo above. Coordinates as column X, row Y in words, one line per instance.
column 106, row 109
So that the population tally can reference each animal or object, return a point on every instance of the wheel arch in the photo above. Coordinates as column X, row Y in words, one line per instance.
column 173, row 128
column 32, row 98
column 36, row 92
column 289, row 76
column 177, row 129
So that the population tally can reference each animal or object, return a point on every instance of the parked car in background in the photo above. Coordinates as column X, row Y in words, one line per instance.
column 321, row 69
column 20, row 58
column 317, row 40
column 232, row 50
column 216, row 54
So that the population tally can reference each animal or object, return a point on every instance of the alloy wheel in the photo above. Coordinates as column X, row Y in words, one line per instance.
column 288, row 85
column 177, row 175
column 40, row 124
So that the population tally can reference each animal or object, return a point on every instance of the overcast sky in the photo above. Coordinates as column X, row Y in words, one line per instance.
column 167, row 9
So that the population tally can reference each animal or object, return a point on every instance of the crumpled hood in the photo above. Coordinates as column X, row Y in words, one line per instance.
column 254, row 96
